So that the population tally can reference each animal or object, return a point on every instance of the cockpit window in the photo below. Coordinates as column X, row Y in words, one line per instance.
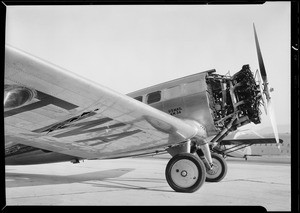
column 154, row 97
column 139, row 98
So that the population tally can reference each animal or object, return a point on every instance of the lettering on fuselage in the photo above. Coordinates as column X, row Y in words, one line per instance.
column 175, row 111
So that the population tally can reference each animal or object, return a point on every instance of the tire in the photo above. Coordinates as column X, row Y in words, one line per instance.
column 219, row 170
column 185, row 173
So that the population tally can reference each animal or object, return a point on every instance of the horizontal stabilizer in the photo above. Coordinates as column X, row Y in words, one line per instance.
column 250, row 141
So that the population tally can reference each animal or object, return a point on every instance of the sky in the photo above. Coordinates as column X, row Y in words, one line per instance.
column 130, row 47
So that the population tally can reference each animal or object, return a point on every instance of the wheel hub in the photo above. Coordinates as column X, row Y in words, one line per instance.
column 214, row 169
column 184, row 173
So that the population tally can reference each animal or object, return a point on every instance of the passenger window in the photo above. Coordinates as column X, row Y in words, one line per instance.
column 139, row 98
column 154, row 97
column 172, row 92
column 192, row 87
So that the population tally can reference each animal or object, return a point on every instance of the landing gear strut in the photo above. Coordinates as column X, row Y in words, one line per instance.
column 216, row 171
column 191, row 165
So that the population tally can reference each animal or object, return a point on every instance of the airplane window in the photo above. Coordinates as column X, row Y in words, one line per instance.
column 154, row 97
column 172, row 92
column 139, row 98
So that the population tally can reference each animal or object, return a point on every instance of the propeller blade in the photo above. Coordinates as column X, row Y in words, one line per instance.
column 260, row 59
column 273, row 121
column 267, row 98
column 245, row 132
column 264, row 101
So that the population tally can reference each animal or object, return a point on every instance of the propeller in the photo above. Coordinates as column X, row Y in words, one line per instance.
column 264, row 101
column 267, row 99
column 245, row 132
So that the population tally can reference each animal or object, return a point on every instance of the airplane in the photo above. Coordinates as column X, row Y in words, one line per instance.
column 53, row 115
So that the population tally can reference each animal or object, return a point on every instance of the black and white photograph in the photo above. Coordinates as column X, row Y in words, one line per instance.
column 148, row 105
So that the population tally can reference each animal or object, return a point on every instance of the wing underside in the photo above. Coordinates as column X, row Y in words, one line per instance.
column 65, row 113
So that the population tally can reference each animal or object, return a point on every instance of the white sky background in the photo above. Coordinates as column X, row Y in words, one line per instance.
column 129, row 47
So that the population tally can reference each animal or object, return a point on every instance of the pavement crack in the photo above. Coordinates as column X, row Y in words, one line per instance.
column 257, row 181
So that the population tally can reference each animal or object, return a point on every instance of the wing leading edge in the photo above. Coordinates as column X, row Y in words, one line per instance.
column 72, row 115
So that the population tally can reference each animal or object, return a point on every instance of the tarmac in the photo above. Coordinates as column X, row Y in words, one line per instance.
column 141, row 181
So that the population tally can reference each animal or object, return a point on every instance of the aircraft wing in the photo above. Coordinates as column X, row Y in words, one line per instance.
column 50, row 108
column 249, row 141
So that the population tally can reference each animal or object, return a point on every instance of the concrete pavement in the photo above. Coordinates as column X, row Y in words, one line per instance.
column 141, row 181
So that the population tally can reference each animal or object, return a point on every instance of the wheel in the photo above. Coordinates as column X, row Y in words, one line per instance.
column 185, row 173
column 219, row 169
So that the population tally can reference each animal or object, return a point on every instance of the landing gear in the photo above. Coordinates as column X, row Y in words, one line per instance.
column 218, row 170
column 185, row 173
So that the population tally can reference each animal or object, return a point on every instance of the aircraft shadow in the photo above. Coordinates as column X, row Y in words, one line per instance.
column 27, row 179
column 133, row 183
column 106, row 177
